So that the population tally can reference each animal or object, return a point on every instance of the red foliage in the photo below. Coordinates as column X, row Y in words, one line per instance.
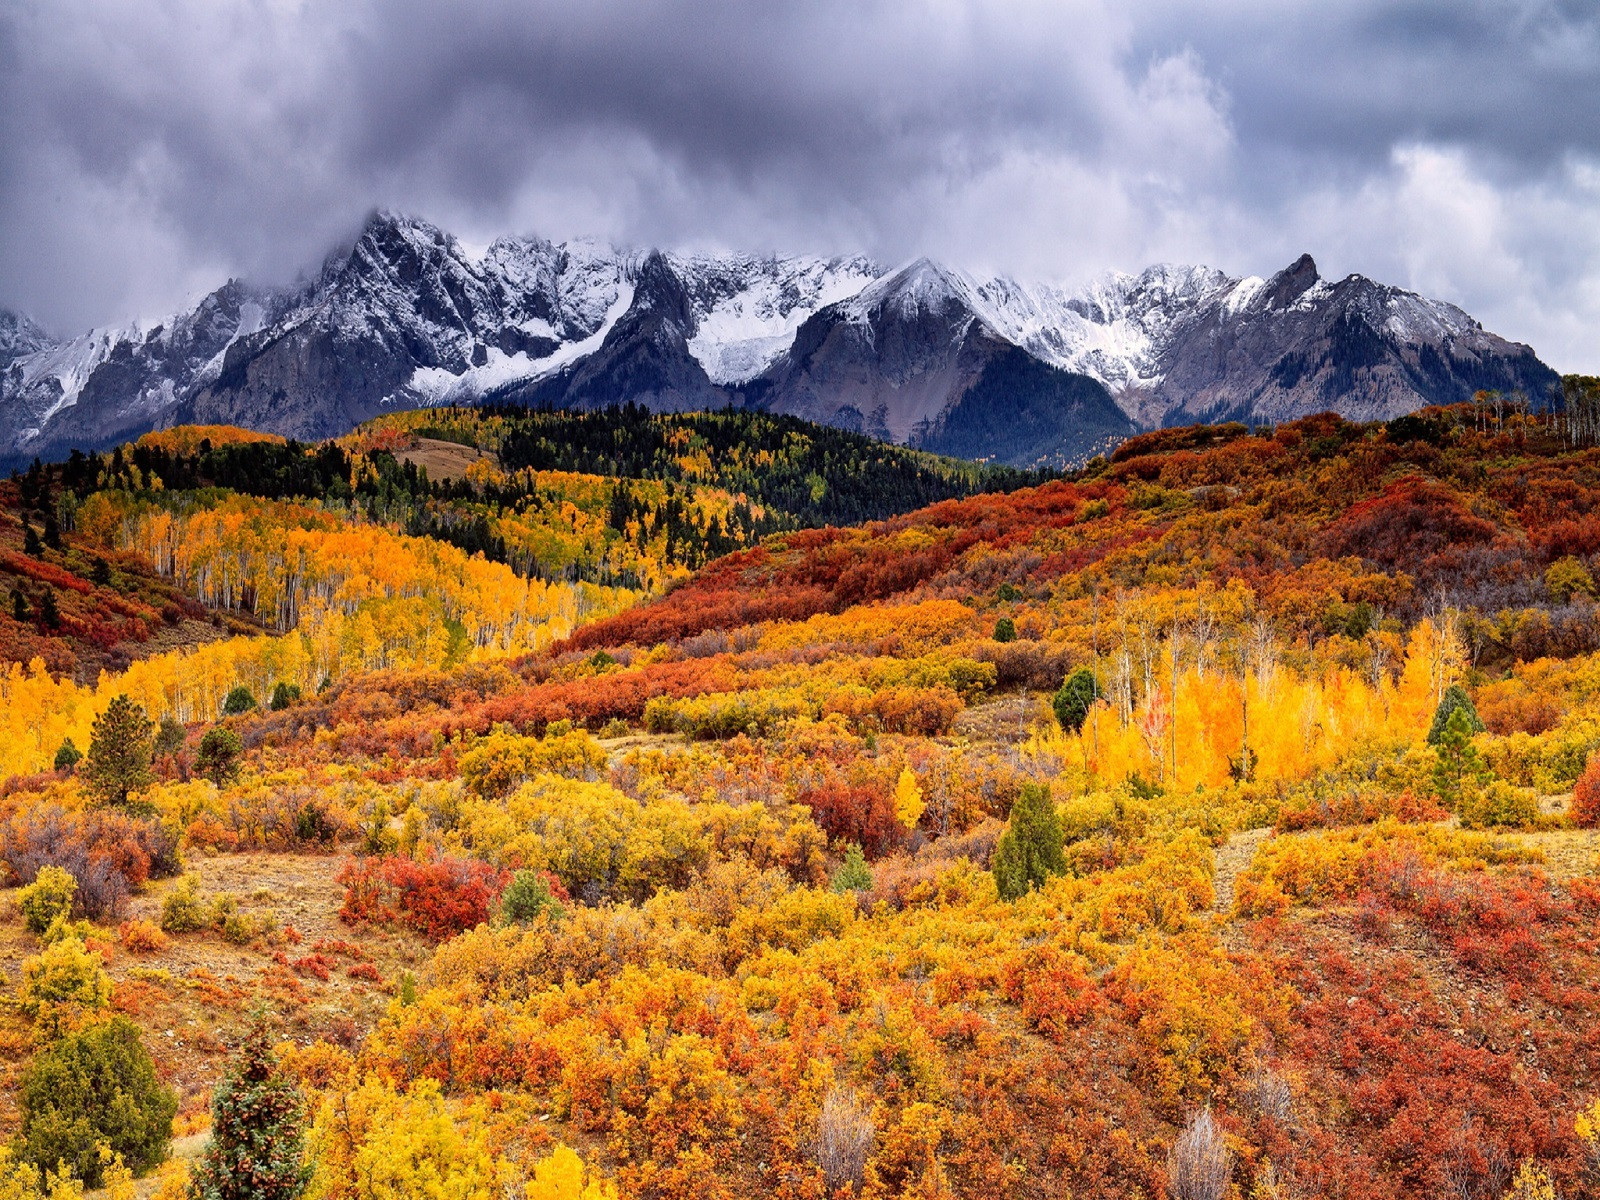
column 1585, row 809
column 439, row 898
column 1360, row 806
column 314, row 965
column 44, row 572
column 1051, row 989
column 862, row 813
column 828, row 570
column 593, row 701
column 1411, row 520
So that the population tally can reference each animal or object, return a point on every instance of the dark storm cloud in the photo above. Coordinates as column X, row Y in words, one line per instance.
column 148, row 150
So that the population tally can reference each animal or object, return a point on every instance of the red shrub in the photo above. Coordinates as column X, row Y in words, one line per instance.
column 438, row 898
column 1585, row 809
column 1413, row 519
column 1355, row 806
column 860, row 813
column 314, row 965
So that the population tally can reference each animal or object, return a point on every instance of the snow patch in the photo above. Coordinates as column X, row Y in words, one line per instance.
column 756, row 307
column 438, row 385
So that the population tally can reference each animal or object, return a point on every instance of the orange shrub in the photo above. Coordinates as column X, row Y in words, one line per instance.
column 141, row 937
column 1585, row 809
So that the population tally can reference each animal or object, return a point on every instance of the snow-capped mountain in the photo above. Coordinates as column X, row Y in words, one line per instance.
column 995, row 367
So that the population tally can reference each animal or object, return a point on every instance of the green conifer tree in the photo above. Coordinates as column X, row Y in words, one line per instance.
column 256, row 1151
column 119, row 751
column 218, row 759
column 1031, row 849
column 1455, row 697
column 1459, row 768
column 1076, row 697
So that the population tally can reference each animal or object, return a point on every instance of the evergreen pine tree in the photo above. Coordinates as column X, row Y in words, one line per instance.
column 95, row 1086
column 120, row 748
column 30, row 541
column 1459, row 766
column 257, row 1131
column 853, row 875
column 218, row 759
column 67, row 755
column 49, row 613
column 1073, row 701
column 1031, row 848
column 239, row 700
column 1455, row 697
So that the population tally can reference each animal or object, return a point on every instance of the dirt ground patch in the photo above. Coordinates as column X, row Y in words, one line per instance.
column 444, row 460
column 1568, row 853
column 1233, row 856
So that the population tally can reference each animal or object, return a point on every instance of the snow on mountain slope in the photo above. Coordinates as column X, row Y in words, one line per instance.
column 1114, row 330
column 20, row 337
column 747, row 309
column 405, row 315
column 439, row 385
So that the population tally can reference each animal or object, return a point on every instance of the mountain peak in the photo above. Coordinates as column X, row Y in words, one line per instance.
column 404, row 314
column 1294, row 281
column 20, row 336
column 920, row 285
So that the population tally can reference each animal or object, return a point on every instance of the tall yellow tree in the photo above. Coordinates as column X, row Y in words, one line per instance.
column 908, row 801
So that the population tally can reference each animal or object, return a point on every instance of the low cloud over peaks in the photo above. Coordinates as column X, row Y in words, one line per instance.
column 1451, row 147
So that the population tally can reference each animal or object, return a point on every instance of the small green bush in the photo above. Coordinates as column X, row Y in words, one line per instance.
column 1005, row 630
column 183, row 911
column 67, row 755
column 1499, row 805
column 61, row 984
column 95, row 1086
column 47, row 899
column 526, row 896
column 311, row 824
column 239, row 700
column 284, row 694
column 233, row 925
column 853, row 875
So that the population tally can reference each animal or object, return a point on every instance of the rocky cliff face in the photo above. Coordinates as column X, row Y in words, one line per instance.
column 405, row 316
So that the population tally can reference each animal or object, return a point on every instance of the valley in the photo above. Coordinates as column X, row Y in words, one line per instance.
column 705, row 805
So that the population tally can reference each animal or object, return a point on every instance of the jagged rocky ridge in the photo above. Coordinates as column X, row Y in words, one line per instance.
column 995, row 368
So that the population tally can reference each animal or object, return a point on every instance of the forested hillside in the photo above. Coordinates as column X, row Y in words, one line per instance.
column 1218, row 821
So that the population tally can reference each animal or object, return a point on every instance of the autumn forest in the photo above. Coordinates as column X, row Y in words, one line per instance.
column 496, row 802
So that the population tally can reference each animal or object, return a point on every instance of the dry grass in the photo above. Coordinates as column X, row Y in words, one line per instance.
column 1232, row 857
column 1005, row 720
column 1568, row 853
column 444, row 460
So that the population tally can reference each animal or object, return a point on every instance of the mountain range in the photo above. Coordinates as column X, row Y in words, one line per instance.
column 922, row 354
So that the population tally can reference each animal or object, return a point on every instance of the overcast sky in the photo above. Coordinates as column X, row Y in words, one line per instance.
column 151, row 149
